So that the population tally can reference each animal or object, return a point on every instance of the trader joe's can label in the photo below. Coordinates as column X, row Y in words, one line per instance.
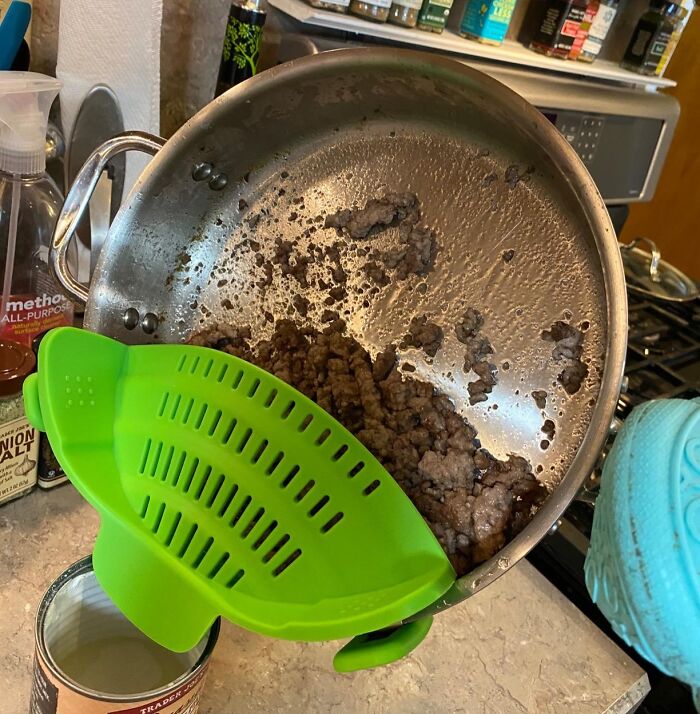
column 52, row 696
column 19, row 452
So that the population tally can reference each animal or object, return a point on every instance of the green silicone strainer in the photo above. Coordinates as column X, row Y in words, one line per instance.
column 222, row 490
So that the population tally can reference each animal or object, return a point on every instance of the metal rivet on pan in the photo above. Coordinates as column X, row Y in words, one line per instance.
column 149, row 324
column 216, row 183
column 202, row 171
column 131, row 318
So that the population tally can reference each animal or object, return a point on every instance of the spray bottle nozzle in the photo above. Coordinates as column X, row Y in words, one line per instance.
column 25, row 101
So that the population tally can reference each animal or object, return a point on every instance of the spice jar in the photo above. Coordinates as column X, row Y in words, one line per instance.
column 584, row 28
column 558, row 26
column 433, row 15
column 679, row 22
column 650, row 38
column 405, row 12
column 333, row 6
column 486, row 21
column 19, row 441
column 598, row 31
column 376, row 10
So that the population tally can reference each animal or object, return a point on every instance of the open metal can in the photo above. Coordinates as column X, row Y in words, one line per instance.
column 91, row 660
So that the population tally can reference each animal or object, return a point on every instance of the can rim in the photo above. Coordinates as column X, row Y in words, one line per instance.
column 81, row 567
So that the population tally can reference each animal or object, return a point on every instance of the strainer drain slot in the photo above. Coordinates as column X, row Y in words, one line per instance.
column 286, row 563
column 332, row 522
column 275, row 463
column 276, row 548
column 241, row 511
column 218, row 565
column 253, row 522
column 236, row 578
column 265, row 535
column 202, row 553
column 227, row 502
column 290, row 476
column 321, row 503
column 215, row 492
column 305, row 490
column 372, row 487
column 188, row 541
column 173, row 529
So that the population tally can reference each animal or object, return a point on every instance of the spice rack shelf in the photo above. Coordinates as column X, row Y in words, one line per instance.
column 509, row 52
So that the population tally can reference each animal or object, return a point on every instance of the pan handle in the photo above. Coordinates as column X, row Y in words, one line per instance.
column 79, row 196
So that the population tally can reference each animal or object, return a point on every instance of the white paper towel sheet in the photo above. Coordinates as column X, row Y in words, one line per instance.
column 116, row 43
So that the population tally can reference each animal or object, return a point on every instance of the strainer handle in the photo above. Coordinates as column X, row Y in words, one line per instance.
column 79, row 197
column 379, row 648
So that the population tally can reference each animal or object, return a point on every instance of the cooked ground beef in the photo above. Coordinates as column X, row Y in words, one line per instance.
column 568, row 346
column 540, row 397
column 483, row 386
column 282, row 257
column 572, row 376
column 378, row 213
column 472, row 501
column 475, row 358
column 425, row 335
column 376, row 273
column 417, row 248
column 467, row 331
column 549, row 429
column 415, row 253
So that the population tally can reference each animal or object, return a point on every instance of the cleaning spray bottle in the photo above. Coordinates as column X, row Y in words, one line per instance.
column 30, row 202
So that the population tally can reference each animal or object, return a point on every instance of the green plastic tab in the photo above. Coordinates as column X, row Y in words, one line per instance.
column 222, row 490
column 378, row 648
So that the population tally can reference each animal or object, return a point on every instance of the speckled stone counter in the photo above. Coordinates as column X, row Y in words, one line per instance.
column 516, row 647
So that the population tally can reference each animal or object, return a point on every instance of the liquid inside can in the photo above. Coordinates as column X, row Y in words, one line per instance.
column 91, row 660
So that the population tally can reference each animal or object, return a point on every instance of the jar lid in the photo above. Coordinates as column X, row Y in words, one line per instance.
column 17, row 362
column 647, row 274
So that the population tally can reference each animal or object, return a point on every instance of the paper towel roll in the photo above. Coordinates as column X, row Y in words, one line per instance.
column 116, row 43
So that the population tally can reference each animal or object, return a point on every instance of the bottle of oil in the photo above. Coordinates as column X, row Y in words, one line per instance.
column 241, row 51
column 651, row 37
column 31, row 301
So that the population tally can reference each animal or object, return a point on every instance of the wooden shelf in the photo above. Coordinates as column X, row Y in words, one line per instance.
column 509, row 52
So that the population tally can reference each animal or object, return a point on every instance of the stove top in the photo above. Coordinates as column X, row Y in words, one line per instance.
column 663, row 361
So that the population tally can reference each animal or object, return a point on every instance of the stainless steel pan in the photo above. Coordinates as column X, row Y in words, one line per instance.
column 340, row 128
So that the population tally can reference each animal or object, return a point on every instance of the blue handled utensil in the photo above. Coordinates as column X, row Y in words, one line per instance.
column 12, row 30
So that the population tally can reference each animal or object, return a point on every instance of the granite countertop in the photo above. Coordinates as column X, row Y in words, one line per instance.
column 516, row 647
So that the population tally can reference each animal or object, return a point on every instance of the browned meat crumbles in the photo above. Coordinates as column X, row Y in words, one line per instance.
column 548, row 428
column 473, row 502
column 475, row 358
column 376, row 273
column 378, row 213
column 540, row 397
column 425, row 335
column 415, row 253
column 572, row 376
column 483, row 386
column 467, row 331
column 568, row 346
column 297, row 269
column 417, row 249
